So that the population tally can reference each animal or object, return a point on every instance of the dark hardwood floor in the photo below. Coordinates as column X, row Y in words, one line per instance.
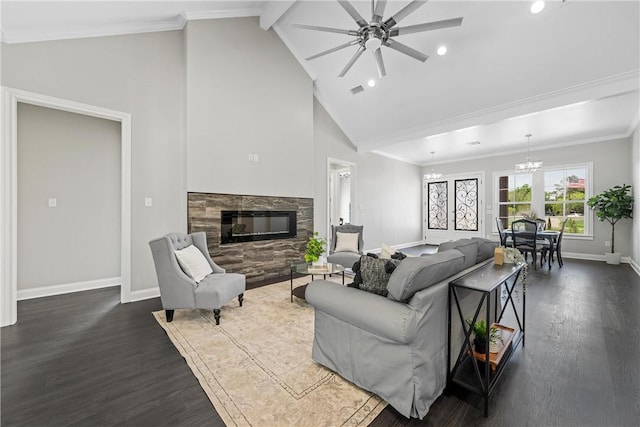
column 85, row 359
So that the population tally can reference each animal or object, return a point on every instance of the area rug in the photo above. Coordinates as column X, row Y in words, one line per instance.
column 256, row 366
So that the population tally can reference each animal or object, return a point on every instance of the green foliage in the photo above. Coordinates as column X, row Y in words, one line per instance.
column 613, row 205
column 315, row 248
column 480, row 331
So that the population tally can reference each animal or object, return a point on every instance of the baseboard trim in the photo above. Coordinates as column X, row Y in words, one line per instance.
column 592, row 257
column 400, row 246
column 635, row 266
column 144, row 294
column 47, row 291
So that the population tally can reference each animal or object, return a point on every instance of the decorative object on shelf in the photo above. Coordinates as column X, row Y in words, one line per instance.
column 613, row 205
column 528, row 166
column 373, row 34
column 498, row 255
column 513, row 256
column 315, row 248
column 531, row 215
column 433, row 175
column 479, row 329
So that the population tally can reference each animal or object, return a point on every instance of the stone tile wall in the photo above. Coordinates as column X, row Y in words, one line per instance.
column 260, row 260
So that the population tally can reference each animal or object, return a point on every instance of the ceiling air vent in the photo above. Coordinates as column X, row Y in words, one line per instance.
column 357, row 90
column 473, row 143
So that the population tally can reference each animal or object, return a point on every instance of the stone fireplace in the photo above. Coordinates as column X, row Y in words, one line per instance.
column 266, row 233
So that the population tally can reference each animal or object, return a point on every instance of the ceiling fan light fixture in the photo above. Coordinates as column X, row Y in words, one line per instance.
column 373, row 43
column 442, row 50
column 537, row 7
column 371, row 83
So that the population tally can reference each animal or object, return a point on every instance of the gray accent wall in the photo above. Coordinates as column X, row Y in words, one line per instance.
column 611, row 166
column 388, row 191
column 246, row 94
column 140, row 74
column 75, row 160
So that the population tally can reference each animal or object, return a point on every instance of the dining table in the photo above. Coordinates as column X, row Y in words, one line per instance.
column 550, row 236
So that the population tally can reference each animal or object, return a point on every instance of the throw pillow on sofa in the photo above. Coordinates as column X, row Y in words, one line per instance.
column 468, row 247
column 486, row 248
column 375, row 274
column 416, row 273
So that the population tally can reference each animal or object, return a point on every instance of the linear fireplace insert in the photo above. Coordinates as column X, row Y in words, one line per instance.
column 248, row 226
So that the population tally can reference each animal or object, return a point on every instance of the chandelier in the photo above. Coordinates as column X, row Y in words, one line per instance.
column 433, row 175
column 528, row 165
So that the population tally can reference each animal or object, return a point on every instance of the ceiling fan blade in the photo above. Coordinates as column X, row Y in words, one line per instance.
column 334, row 49
column 404, row 12
column 352, row 61
column 428, row 26
column 379, row 62
column 378, row 11
column 403, row 48
column 325, row 29
column 353, row 12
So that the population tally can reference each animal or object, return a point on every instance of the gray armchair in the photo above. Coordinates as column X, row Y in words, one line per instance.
column 345, row 258
column 178, row 290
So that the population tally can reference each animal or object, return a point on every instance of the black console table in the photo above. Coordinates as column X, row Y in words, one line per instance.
column 470, row 369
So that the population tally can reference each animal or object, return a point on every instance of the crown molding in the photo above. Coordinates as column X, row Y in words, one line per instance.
column 177, row 23
column 221, row 14
column 616, row 84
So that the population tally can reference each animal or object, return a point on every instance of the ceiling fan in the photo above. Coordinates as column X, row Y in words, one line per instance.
column 376, row 33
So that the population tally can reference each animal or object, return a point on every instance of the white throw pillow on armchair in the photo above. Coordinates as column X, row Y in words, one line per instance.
column 193, row 263
column 347, row 242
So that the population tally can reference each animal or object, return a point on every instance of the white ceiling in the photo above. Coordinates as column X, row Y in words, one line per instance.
column 568, row 75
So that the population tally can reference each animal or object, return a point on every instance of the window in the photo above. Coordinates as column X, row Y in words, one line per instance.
column 556, row 192
column 514, row 197
column 564, row 197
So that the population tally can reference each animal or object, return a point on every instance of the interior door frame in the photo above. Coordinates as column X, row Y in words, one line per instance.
column 353, row 195
column 439, row 237
column 9, row 199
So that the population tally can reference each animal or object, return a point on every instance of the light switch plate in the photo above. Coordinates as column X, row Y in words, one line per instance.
column 148, row 202
column 53, row 202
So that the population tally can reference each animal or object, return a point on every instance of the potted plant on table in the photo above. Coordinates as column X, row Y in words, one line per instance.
column 315, row 249
column 613, row 205
column 479, row 330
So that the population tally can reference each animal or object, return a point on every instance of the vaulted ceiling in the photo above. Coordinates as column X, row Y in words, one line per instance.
column 567, row 75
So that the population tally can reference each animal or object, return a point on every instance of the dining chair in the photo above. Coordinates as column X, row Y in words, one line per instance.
column 557, row 246
column 524, row 233
column 505, row 238
column 542, row 224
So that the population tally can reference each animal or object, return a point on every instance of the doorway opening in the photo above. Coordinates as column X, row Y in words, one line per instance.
column 8, row 201
column 341, row 196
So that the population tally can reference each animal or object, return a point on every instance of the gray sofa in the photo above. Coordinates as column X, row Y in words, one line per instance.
column 396, row 346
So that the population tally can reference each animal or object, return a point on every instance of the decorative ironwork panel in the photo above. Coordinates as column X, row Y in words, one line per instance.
column 466, row 200
column 437, row 201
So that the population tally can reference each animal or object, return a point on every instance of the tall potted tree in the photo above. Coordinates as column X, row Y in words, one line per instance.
column 612, row 206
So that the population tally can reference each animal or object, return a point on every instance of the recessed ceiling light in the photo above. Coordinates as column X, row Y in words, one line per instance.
column 371, row 83
column 442, row 50
column 537, row 6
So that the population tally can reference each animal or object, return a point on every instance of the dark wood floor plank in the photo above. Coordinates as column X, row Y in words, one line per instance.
column 84, row 359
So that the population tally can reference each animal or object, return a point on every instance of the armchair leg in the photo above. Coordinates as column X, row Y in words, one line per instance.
column 169, row 314
column 216, row 314
column 240, row 298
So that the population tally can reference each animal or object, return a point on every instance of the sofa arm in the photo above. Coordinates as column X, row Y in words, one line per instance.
column 373, row 313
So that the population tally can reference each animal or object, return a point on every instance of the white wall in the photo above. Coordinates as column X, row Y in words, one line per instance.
column 76, row 160
column 246, row 94
column 388, row 192
column 611, row 166
column 139, row 74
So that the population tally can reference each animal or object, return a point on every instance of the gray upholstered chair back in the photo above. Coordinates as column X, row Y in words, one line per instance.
column 178, row 290
column 346, row 228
